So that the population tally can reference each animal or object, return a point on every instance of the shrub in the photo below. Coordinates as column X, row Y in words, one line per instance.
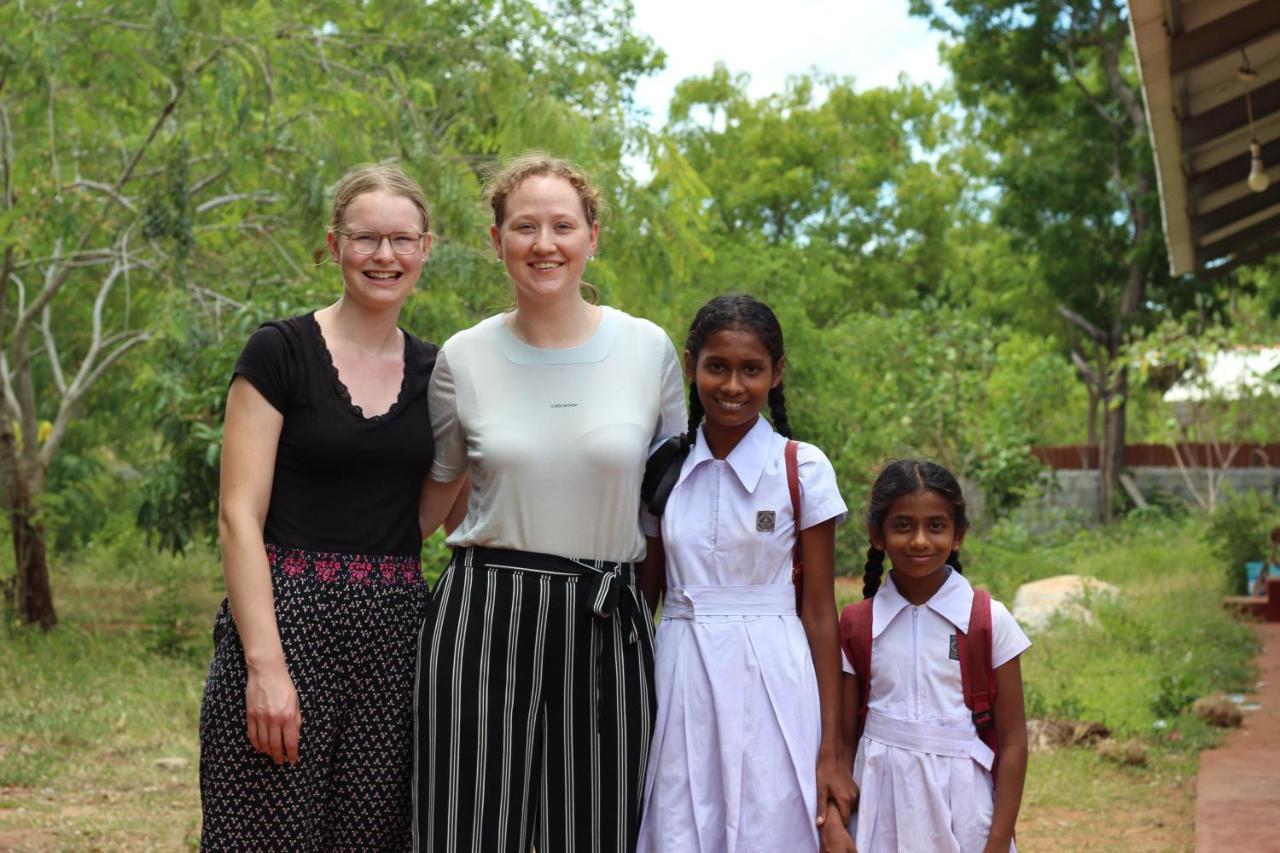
column 1237, row 533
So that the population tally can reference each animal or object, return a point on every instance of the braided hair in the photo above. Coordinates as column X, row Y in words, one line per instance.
column 736, row 311
column 903, row 477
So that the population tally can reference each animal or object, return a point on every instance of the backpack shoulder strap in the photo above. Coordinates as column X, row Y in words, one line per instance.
column 855, row 641
column 793, row 486
column 976, row 674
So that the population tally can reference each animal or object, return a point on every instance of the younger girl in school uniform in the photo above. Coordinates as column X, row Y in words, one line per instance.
column 746, row 749
column 925, row 776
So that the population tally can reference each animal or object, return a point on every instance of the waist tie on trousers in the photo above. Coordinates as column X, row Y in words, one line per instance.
column 960, row 742
column 691, row 602
column 611, row 593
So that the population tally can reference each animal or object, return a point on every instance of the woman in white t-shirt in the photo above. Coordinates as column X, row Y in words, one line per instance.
column 535, row 696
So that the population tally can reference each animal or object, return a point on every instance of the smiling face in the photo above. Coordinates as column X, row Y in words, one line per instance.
column 545, row 239
column 385, row 278
column 919, row 534
column 734, row 373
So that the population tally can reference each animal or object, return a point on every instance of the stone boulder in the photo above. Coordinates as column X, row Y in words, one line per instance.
column 1037, row 602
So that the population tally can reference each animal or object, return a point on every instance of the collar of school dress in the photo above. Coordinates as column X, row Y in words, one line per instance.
column 747, row 460
column 952, row 601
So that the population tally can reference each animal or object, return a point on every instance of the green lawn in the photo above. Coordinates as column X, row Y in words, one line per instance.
column 87, row 711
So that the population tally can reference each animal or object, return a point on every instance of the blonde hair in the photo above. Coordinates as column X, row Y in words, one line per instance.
column 372, row 177
column 503, row 182
column 510, row 175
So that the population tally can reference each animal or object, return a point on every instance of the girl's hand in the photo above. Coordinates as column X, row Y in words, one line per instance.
column 835, row 835
column 836, row 788
column 274, row 716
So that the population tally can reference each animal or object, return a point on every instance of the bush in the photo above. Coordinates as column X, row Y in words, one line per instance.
column 1238, row 531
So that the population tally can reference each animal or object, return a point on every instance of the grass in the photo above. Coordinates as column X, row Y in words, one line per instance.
column 87, row 711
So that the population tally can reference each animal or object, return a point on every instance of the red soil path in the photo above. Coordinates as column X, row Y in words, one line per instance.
column 1238, row 786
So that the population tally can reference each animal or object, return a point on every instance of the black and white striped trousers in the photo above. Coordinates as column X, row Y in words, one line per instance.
column 535, row 706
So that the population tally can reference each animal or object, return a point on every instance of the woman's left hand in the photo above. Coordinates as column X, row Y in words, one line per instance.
column 835, row 786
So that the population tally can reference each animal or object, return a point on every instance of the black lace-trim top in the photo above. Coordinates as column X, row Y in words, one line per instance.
column 342, row 482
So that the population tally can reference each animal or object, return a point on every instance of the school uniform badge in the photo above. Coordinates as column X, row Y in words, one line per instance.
column 954, row 653
column 764, row 521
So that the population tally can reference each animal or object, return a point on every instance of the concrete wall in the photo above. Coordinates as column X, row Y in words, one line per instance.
column 1079, row 489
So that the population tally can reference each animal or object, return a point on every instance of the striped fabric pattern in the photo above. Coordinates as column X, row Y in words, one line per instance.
column 535, row 706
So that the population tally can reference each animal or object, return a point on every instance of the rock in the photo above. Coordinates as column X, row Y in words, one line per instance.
column 1036, row 603
column 1130, row 753
column 1218, row 710
column 1050, row 734
column 174, row 763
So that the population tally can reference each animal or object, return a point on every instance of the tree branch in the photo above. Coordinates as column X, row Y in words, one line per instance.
column 66, row 409
column 264, row 197
column 1084, row 325
column 215, row 175
column 55, row 362
column 1090, row 376
column 111, row 191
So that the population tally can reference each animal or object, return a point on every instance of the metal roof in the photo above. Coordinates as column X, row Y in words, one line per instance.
column 1189, row 53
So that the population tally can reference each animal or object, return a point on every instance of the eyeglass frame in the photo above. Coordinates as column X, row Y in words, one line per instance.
column 381, row 236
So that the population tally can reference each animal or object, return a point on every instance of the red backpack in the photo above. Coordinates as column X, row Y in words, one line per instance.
column 974, row 651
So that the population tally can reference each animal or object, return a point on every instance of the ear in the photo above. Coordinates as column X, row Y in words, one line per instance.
column 778, row 370
column 689, row 365
column 332, row 240
column 959, row 540
column 595, row 236
column 496, row 236
column 876, row 537
column 427, row 240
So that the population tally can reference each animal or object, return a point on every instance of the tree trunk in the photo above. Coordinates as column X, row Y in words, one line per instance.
column 34, row 598
column 1111, row 454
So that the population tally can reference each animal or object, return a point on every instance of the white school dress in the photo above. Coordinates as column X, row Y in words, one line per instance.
column 924, row 775
column 735, row 743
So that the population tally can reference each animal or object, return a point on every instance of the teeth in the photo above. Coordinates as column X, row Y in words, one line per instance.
column 385, row 276
column 726, row 404
column 545, row 266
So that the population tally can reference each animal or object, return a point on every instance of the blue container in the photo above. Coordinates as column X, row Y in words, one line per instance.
column 1252, row 570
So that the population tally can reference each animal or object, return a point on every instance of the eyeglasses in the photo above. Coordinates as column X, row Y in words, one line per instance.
column 368, row 242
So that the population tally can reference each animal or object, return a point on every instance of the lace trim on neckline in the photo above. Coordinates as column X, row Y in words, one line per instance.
column 340, row 386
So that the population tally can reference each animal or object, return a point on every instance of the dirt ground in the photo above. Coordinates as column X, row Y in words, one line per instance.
column 1074, row 801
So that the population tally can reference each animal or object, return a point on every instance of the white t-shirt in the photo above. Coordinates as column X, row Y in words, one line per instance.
column 555, row 440
column 913, row 673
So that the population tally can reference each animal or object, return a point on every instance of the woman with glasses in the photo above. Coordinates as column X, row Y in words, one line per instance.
column 306, row 733
column 535, row 671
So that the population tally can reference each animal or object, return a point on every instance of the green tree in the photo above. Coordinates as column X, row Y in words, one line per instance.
column 165, row 170
column 1052, row 86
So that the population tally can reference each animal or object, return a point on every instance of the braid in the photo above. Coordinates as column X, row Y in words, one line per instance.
column 954, row 562
column 695, row 415
column 778, row 411
column 873, row 572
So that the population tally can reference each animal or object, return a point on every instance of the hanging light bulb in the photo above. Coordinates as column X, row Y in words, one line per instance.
column 1258, row 180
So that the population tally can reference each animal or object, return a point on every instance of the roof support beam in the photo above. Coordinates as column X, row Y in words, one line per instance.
column 1240, row 240
column 1249, row 256
column 1231, row 116
column 1241, row 208
column 1228, row 33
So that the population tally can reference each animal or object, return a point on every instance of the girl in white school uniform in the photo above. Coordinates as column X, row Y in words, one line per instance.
column 924, row 774
column 746, row 749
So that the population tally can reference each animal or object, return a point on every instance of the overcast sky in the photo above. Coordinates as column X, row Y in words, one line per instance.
column 870, row 40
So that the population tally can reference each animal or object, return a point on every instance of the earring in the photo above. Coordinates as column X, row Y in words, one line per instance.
column 591, row 257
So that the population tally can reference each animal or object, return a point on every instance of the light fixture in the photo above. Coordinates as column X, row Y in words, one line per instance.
column 1258, row 180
